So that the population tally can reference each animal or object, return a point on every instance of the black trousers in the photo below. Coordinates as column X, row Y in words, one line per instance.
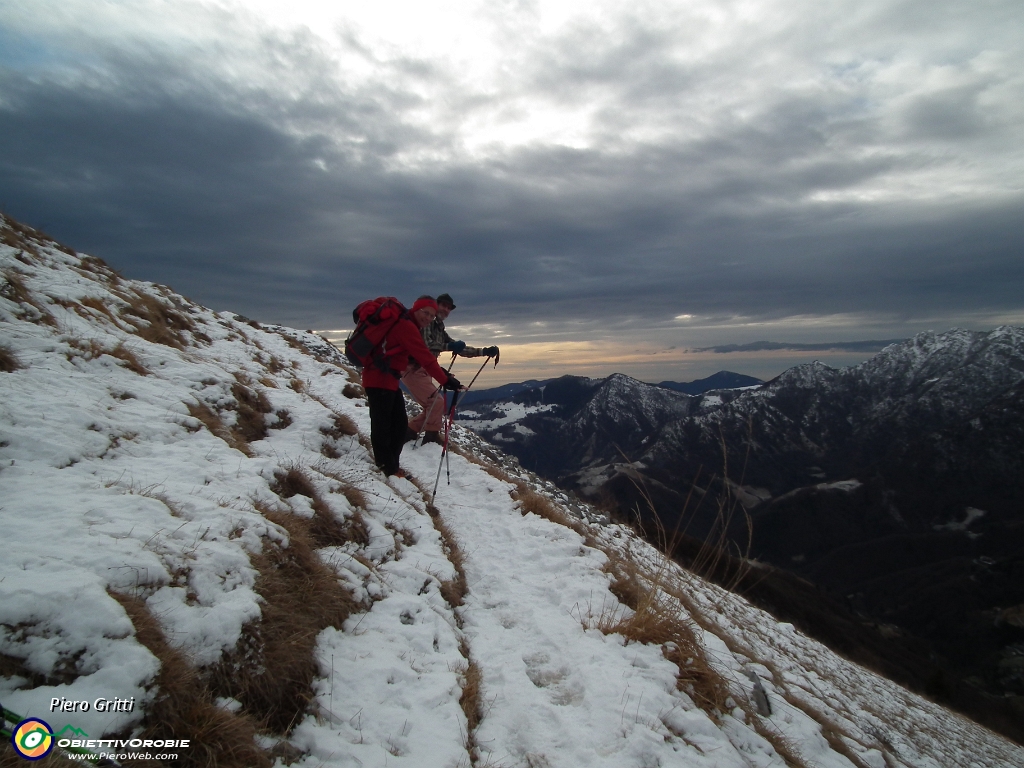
column 388, row 423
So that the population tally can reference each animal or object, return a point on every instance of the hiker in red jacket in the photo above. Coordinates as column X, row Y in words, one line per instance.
column 388, row 420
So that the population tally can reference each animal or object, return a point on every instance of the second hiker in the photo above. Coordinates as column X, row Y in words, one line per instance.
column 419, row 380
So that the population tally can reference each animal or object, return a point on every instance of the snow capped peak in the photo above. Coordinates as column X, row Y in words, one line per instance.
column 186, row 491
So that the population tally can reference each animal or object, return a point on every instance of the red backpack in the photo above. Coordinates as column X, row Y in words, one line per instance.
column 366, row 345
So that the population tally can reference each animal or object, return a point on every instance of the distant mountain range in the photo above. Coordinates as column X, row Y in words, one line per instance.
column 897, row 484
column 720, row 380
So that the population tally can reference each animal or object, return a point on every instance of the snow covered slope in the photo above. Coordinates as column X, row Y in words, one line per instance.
column 192, row 523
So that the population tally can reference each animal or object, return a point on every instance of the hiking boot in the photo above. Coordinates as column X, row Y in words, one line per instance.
column 410, row 434
column 398, row 473
column 431, row 437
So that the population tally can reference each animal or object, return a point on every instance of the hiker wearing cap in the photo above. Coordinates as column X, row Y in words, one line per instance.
column 417, row 378
column 388, row 420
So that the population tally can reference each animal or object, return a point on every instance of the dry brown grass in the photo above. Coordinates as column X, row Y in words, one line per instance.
column 325, row 527
column 353, row 391
column 453, row 590
column 656, row 619
column 250, row 424
column 212, row 420
column 33, row 310
column 26, row 238
column 540, row 505
column 8, row 360
column 251, row 406
column 471, row 700
column 185, row 705
column 272, row 669
column 329, row 451
column 354, row 495
column 98, row 305
column 284, row 419
column 341, row 426
column 716, row 556
column 123, row 353
column 155, row 321
column 91, row 349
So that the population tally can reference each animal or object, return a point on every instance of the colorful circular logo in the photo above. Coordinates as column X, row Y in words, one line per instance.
column 32, row 738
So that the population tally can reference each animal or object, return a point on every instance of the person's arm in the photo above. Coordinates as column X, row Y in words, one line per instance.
column 412, row 340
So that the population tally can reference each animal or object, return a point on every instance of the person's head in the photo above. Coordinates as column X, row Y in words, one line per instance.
column 424, row 311
column 445, row 305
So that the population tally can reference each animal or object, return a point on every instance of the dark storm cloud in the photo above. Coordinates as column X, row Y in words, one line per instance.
column 701, row 195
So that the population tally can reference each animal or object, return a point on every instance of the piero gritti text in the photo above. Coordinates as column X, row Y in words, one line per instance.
column 99, row 705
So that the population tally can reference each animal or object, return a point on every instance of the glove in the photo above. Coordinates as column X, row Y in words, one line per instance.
column 456, row 346
column 452, row 385
column 490, row 351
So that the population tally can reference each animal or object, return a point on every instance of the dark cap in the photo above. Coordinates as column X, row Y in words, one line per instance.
column 445, row 298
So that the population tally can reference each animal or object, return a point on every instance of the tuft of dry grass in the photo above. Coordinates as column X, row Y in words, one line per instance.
column 92, row 348
column 212, row 421
column 8, row 360
column 184, row 704
column 656, row 619
column 272, row 669
column 14, row 289
column 325, row 527
column 155, row 321
column 284, row 419
column 251, row 407
column 122, row 352
column 98, row 305
column 341, row 426
column 353, row 391
column 471, row 699
column 540, row 505
column 453, row 590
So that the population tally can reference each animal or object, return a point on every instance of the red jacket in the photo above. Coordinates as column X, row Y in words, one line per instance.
column 402, row 342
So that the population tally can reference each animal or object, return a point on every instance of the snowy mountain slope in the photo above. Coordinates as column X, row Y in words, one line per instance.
column 192, row 522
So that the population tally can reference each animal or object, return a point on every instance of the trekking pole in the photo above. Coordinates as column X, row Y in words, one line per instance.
column 444, row 448
column 448, row 429
column 482, row 370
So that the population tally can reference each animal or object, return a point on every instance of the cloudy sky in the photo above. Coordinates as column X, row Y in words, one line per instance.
column 602, row 186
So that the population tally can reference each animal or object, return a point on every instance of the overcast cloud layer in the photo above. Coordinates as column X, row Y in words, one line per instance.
column 608, row 184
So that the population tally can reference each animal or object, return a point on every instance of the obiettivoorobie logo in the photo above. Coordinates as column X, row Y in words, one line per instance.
column 32, row 738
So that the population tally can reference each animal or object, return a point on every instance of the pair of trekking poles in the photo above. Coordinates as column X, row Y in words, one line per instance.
column 447, row 422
